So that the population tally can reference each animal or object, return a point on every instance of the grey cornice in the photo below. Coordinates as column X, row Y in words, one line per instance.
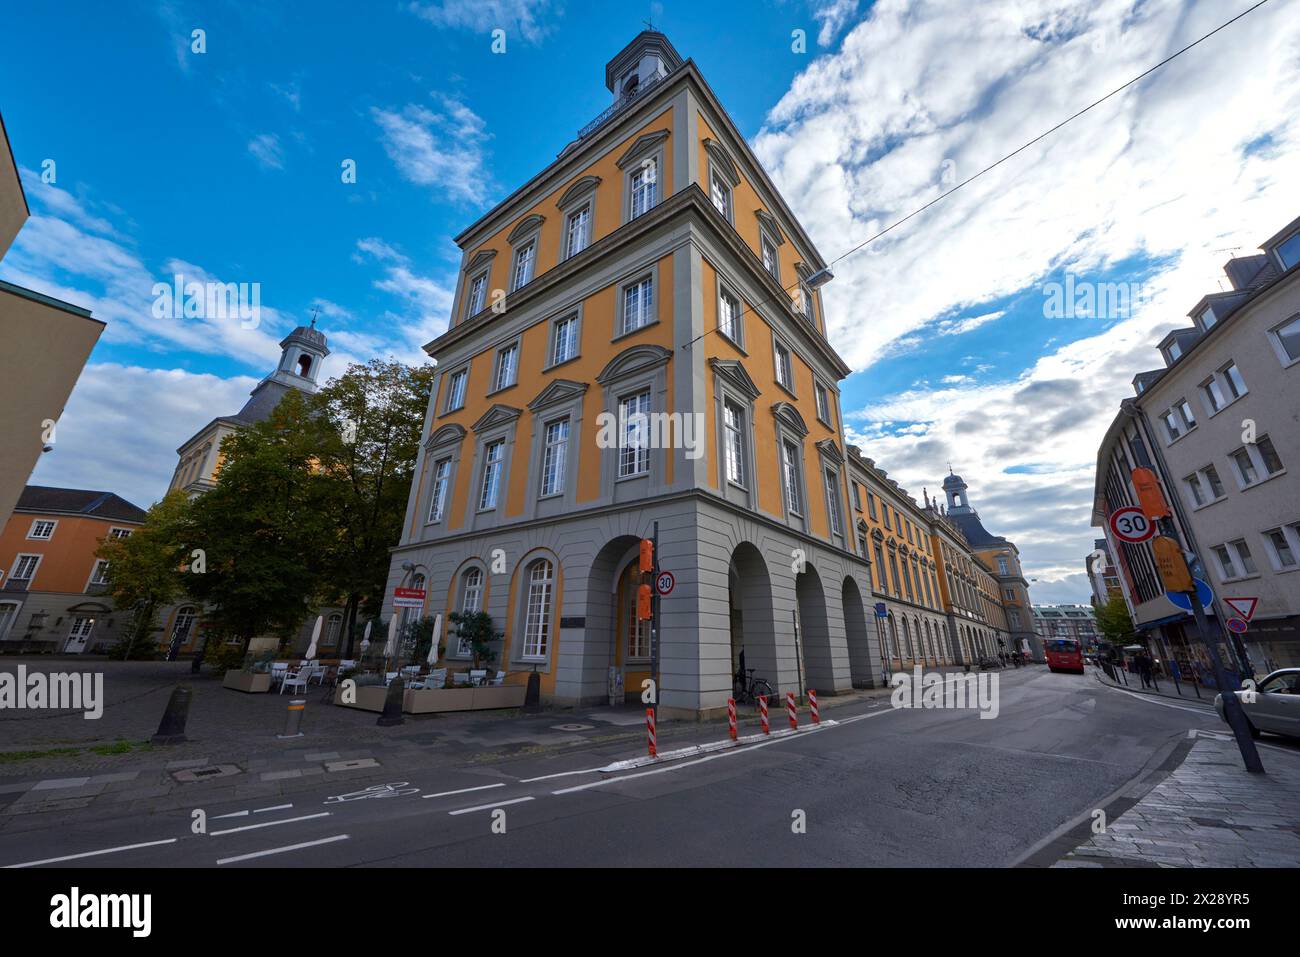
column 633, row 360
column 643, row 144
column 735, row 374
column 788, row 414
column 561, row 390
column 495, row 416
column 578, row 191
column 448, row 434
column 723, row 161
column 771, row 225
column 481, row 258
column 829, row 449
column 529, row 224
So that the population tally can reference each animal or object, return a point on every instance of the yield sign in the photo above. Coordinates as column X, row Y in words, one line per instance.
column 1244, row 607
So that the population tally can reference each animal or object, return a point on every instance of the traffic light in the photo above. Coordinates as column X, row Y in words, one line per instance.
column 643, row 603
column 647, row 557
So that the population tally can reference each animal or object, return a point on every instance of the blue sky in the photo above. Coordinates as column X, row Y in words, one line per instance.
column 226, row 165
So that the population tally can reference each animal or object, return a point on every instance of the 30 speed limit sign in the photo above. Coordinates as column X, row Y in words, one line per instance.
column 1130, row 525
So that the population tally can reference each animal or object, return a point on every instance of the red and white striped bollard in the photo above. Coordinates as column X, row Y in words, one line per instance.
column 731, row 717
column 650, row 730
column 791, row 711
column 762, row 714
column 812, row 706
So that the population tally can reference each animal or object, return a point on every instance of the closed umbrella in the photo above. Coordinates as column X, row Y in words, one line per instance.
column 390, row 649
column 433, row 647
column 315, row 637
column 365, row 638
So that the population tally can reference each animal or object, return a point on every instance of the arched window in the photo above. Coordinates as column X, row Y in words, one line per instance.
column 410, row 615
column 471, row 600
column 304, row 365
column 907, row 640
column 631, row 84
column 893, row 636
column 333, row 625
column 185, row 619
column 537, row 609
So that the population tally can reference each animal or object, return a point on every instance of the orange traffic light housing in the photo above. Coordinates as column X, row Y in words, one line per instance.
column 643, row 603
column 647, row 557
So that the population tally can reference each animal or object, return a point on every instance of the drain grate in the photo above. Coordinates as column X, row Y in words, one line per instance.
column 206, row 774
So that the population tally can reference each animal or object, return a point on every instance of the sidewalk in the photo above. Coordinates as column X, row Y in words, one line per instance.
column 1167, row 688
column 1209, row 812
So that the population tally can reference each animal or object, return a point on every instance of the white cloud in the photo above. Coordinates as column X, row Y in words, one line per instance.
column 955, row 327
column 122, row 425
column 833, row 15
column 444, row 150
column 516, row 17
column 922, row 95
column 425, row 304
column 266, row 149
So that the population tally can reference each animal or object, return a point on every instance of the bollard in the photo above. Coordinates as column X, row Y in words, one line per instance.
column 790, row 710
column 812, row 706
column 171, row 729
column 533, row 693
column 731, row 718
column 650, row 730
column 762, row 714
column 293, row 718
column 393, row 704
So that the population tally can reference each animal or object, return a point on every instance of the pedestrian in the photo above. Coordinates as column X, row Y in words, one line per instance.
column 1144, row 668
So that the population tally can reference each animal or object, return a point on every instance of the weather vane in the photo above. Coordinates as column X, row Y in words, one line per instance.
column 314, row 311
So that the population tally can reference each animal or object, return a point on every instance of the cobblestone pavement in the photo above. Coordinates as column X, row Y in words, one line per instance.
column 1209, row 812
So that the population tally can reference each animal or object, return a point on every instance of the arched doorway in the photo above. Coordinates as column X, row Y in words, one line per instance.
column 814, row 643
column 749, row 601
column 855, row 633
column 907, row 644
column 609, row 633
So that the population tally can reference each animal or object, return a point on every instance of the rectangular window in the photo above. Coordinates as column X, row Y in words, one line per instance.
column 1213, row 394
column 644, row 182
column 1288, row 338
column 790, row 478
column 1193, row 483
column 833, row 502
column 880, row 568
column 441, row 481
column 729, row 316
column 577, row 231
column 477, row 298
column 784, row 372
column 507, row 369
column 1225, row 561
column 770, row 260
column 554, row 457
column 566, row 340
column 100, row 575
column 1243, row 555
column 493, row 460
column 1003, row 567
column 720, row 193
column 806, row 303
column 1172, row 426
column 525, row 260
column 638, row 631
column 1236, row 384
column 1283, row 555
column 456, row 390
column 1245, row 467
column 638, row 304
column 1212, row 477
column 857, row 496
column 733, row 420
column 1288, row 251
column 120, row 532
column 1188, row 419
column 1268, row 455
column 871, row 504
column 634, row 445
column 42, row 530
column 823, row 403
column 81, row 629
column 537, row 618
column 25, row 568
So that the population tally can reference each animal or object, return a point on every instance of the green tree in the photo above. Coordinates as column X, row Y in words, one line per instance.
column 266, row 525
column 476, row 628
column 1114, row 622
column 144, row 570
column 376, row 412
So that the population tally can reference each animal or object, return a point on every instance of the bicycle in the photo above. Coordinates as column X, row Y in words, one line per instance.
column 747, row 690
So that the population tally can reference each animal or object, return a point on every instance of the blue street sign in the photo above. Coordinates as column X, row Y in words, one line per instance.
column 1203, row 592
column 881, row 610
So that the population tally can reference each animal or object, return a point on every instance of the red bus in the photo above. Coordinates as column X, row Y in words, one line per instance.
column 1063, row 654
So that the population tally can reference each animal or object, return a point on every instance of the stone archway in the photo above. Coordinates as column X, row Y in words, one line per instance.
column 753, row 625
column 600, row 633
column 856, row 635
column 814, row 631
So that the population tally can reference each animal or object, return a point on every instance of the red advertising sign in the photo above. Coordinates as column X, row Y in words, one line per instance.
column 408, row 597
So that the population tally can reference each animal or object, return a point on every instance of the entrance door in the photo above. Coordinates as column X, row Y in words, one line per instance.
column 79, row 635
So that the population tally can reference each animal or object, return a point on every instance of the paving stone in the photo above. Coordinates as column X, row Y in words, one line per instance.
column 57, row 783
column 281, row 775
column 116, row 777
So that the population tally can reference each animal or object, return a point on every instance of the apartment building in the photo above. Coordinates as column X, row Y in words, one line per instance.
column 53, row 589
column 1220, row 423
column 1067, row 621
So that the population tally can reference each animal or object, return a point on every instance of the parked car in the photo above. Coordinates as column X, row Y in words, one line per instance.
column 1274, row 704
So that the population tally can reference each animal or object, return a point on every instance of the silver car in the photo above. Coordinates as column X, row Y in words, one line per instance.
column 1274, row 705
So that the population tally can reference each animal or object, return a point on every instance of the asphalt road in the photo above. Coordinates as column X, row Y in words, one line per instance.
column 879, row 787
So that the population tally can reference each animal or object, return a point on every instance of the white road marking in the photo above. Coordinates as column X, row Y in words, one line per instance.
column 278, row 807
column 107, row 850
column 1164, row 704
column 243, row 813
column 283, row 850
column 254, row 827
column 489, row 807
column 485, row 787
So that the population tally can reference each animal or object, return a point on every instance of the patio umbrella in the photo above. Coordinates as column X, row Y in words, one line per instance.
column 390, row 648
column 365, row 638
column 315, row 637
column 433, row 647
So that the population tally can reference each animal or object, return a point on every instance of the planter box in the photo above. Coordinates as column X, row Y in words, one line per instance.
column 430, row 701
column 249, row 681
column 369, row 698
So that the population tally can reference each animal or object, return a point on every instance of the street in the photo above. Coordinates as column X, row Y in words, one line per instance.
column 877, row 787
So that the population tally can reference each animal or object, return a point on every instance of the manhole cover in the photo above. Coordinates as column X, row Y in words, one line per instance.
column 206, row 774
column 572, row 727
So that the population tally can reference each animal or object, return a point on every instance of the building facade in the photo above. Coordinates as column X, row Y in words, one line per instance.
column 637, row 338
column 1067, row 621
column 1220, row 425
column 54, row 590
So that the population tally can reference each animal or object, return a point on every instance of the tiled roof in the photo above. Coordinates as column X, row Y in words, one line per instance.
column 76, row 501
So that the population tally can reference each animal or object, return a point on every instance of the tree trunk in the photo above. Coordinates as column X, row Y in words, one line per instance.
column 350, row 615
column 197, row 663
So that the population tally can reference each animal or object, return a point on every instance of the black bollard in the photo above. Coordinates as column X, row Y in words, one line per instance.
column 171, row 730
column 393, row 704
column 533, row 694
